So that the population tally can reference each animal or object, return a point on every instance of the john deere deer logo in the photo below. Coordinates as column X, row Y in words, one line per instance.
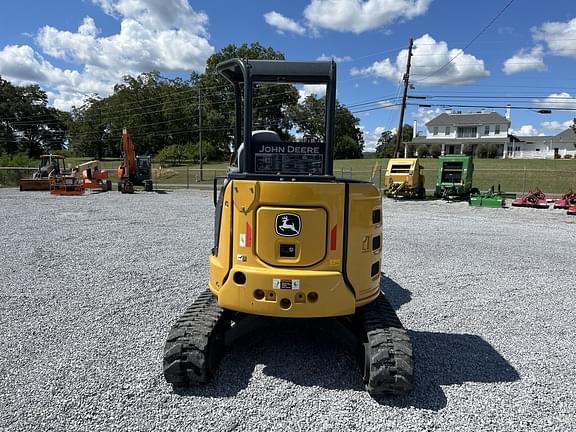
column 288, row 224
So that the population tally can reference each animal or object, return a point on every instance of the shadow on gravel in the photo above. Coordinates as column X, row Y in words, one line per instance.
column 396, row 295
column 446, row 359
column 299, row 355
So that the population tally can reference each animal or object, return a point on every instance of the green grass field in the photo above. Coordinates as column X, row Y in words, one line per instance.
column 552, row 176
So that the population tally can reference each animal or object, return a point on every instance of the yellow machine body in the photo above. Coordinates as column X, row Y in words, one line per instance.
column 293, row 245
column 404, row 178
column 328, row 268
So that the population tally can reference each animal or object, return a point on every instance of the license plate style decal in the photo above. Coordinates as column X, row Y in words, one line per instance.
column 293, row 284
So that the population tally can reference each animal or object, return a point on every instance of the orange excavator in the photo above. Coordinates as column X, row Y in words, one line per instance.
column 134, row 170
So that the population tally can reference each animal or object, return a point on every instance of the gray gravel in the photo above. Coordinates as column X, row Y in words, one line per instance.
column 89, row 287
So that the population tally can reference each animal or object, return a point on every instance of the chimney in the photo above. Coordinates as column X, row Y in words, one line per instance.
column 508, row 109
column 415, row 129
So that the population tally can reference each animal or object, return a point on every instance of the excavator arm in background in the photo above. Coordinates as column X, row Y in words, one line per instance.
column 134, row 170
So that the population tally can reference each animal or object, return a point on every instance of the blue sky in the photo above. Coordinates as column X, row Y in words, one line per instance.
column 526, row 57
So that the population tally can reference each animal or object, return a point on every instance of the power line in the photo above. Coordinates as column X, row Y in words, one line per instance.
column 529, row 108
column 480, row 33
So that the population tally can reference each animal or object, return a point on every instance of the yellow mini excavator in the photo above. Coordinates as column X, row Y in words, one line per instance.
column 292, row 243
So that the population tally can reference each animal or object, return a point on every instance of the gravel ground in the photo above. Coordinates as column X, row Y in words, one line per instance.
column 89, row 287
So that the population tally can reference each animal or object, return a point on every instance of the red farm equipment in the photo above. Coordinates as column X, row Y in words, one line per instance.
column 565, row 201
column 536, row 199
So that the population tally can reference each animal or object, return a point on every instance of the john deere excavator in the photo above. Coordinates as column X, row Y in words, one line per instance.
column 293, row 244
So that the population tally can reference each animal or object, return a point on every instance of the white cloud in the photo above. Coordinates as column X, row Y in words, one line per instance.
column 371, row 138
column 337, row 59
column 154, row 35
column 382, row 68
column 22, row 66
column 525, row 60
column 159, row 15
column 559, row 36
column 319, row 90
column 556, row 126
column 526, row 130
column 358, row 16
column 283, row 24
column 428, row 57
column 391, row 105
column 557, row 101
column 423, row 116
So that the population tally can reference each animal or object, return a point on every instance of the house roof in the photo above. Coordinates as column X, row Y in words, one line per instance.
column 452, row 141
column 470, row 119
column 533, row 138
column 567, row 135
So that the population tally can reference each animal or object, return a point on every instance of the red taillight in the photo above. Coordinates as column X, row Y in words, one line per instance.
column 248, row 235
column 334, row 237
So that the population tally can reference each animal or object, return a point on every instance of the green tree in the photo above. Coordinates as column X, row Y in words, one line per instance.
column 157, row 112
column 435, row 150
column 349, row 136
column 422, row 150
column 387, row 142
column 176, row 153
column 385, row 147
column 488, row 151
column 308, row 117
column 27, row 124
column 89, row 130
column 270, row 101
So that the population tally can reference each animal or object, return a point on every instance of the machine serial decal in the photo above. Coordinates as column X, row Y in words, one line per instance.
column 293, row 284
column 288, row 224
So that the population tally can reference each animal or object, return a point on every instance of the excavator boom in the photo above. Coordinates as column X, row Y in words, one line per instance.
column 134, row 170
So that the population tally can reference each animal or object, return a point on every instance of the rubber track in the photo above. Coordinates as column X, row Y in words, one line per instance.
column 390, row 350
column 195, row 343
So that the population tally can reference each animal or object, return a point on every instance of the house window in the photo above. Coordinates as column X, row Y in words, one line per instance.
column 517, row 148
column 497, row 130
column 435, row 130
column 447, row 132
column 509, row 149
column 466, row 132
column 486, row 130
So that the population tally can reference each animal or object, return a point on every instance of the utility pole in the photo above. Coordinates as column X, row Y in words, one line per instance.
column 404, row 97
column 200, row 132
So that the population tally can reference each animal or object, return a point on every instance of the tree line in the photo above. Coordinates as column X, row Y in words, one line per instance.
column 166, row 117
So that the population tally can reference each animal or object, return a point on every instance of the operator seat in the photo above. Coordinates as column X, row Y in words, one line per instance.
column 259, row 137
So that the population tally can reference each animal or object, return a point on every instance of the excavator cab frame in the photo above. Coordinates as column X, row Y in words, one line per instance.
column 243, row 75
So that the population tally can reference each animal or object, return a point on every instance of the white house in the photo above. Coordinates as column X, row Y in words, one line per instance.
column 455, row 131
column 543, row 147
